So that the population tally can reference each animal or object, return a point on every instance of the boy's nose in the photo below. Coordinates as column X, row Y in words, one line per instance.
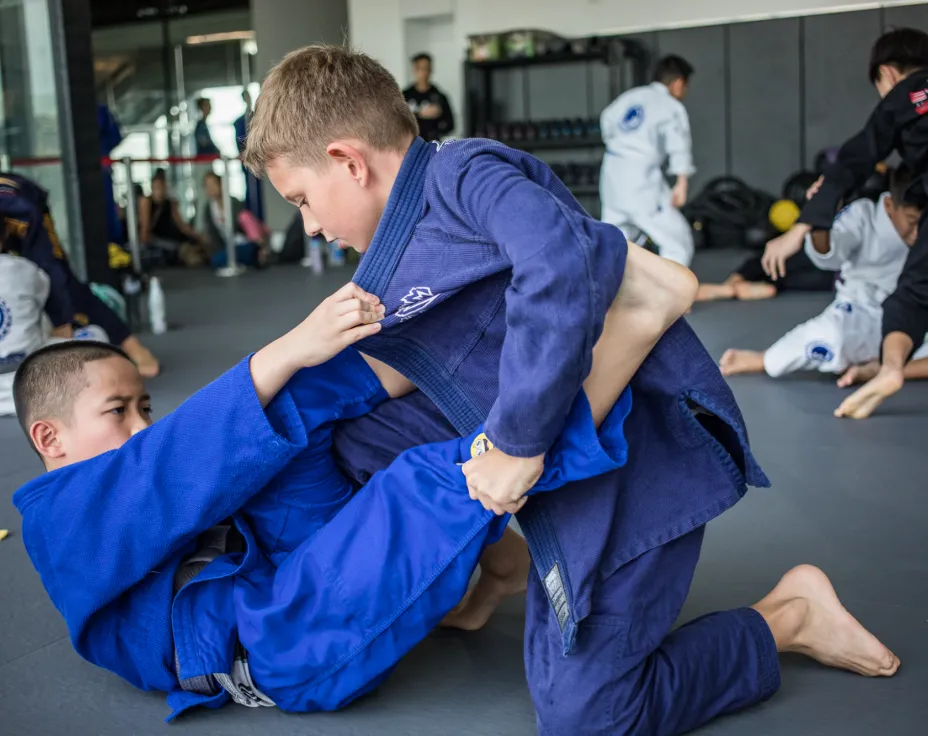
column 311, row 227
column 139, row 423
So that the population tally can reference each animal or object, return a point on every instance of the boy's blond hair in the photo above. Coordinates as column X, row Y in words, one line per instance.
column 320, row 94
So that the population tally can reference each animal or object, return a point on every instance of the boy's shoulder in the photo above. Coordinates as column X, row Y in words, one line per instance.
column 459, row 165
column 457, row 154
column 909, row 98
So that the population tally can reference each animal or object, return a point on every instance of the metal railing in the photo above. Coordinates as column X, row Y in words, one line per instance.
column 232, row 267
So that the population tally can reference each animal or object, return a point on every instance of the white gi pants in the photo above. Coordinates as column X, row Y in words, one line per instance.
column 845, row 334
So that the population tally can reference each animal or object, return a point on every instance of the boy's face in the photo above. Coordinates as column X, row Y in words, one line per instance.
column 905, row 220
column 422, row 70
column 678, row 88
column 108, row 411
column 337, row 202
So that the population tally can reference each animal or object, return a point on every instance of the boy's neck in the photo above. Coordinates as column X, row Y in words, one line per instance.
column 389, row 164
column 423, row 86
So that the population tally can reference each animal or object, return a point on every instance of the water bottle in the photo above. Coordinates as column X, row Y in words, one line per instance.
column 159, row 323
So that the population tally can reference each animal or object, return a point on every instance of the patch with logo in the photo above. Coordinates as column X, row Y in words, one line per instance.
column 844, row 307
column 480, row 445
column 632, row 119
column 919, row 98
column 419, row 299
column 6, row 319
column 819, row 352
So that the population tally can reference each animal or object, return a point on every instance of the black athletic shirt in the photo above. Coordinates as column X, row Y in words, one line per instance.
column 431, row 130
column 899, row 123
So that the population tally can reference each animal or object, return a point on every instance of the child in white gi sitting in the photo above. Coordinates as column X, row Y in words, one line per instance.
column 868, row 245
column 24, row 329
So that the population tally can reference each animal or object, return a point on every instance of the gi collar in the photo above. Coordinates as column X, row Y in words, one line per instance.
column 399, row 219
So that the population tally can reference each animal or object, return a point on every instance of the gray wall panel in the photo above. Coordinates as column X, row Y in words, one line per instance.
column 912, row 16
column 706, row 104
column 839, row 98
column 765, row 102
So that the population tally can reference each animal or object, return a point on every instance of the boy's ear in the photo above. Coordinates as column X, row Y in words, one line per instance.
column 44, row 437
column 352, row 158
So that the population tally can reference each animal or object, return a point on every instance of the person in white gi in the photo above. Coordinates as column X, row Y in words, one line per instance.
column 23, row 327
column 869, row 243
column 643, row 128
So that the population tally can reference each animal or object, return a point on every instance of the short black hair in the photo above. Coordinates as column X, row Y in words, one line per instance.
column 422, row 57
column 160, row 175
column 671, row 68
column 48, row 381
column 904, row 48
column 900, row 182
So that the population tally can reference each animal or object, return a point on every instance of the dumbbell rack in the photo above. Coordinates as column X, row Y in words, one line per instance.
column 626, row 62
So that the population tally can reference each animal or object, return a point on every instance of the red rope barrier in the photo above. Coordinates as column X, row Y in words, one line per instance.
column 106, row 161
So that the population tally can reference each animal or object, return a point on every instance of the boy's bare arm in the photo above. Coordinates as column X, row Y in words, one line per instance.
column 393, row 382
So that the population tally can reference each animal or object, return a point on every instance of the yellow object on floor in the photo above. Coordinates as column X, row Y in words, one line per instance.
column 4, row 534
column 783, row 214
column 118, row 257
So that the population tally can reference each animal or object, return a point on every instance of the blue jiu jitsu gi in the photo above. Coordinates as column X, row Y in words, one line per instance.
column 325, row 592
column 496, row 284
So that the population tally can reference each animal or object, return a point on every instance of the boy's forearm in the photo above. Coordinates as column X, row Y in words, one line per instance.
column 897, row 347
column 917, row 369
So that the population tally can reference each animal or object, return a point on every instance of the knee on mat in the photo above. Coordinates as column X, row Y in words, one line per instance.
column 774, row 364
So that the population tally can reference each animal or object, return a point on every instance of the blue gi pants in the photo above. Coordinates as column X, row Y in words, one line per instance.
column 627, row 675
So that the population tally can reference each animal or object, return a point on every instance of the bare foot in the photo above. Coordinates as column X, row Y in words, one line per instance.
column 142, row 357
column 864, row 401
column 752, row 291
column 504, row 569
column 715, row 292
column 481, row 601
column 806, row 617
column 859, row 374
column 734, row 362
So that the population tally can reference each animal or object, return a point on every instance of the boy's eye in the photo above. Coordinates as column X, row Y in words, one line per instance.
column 118, row 410
column 146, row 410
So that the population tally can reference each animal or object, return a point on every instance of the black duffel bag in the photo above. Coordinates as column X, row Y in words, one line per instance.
column 728, row 213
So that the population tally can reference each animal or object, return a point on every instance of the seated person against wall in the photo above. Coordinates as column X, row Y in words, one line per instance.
column 161, row 226
column 29, row 231
column 251, row 244
column 258, row 575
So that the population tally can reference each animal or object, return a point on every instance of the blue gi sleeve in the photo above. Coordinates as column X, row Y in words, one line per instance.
column 97, row 528
column 311, row 490
column 566, row 271
column 382, row 573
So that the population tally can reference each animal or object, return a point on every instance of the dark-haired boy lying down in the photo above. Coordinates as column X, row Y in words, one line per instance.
column 219, row 552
